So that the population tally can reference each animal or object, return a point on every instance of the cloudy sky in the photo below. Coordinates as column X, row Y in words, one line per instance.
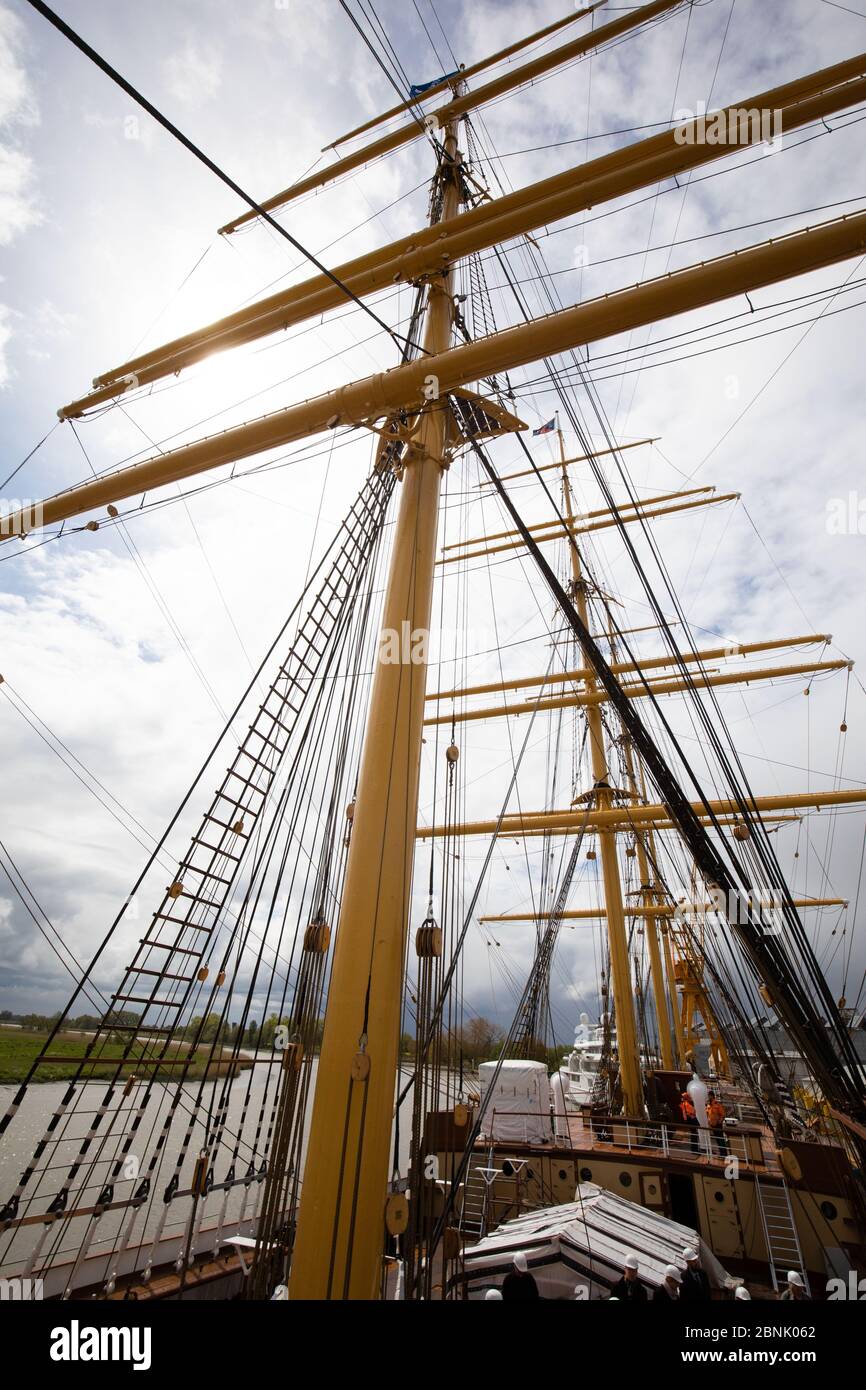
column 131, row 644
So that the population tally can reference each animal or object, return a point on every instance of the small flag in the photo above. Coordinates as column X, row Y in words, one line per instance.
column 545, row 429
column 419, row 88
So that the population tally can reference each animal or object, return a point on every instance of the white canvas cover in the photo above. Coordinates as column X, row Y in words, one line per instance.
column 516, row 1105
column 585, row 1243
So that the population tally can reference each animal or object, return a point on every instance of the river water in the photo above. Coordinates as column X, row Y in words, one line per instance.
column 244, row 1116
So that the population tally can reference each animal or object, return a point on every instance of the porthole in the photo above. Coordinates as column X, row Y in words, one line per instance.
column 563, row 1175
column 507, row 1169
column 829, row 1210
column 625, row 1179
column 586, row 1175
column 719, row 1196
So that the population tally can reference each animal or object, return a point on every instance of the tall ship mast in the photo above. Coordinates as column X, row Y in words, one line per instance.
column 287, row 1089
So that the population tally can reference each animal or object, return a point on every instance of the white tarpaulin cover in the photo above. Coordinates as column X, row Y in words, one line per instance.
column 516, row 1104
column 585, row 1243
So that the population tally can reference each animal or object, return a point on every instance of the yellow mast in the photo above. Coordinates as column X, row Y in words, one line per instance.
column 631, row 667
column 467, row 101
column 341, row 1220
column 637, row 690
column 671, row 976
column 553, row 530
column 642, row 165
column 661, row 911
column 373, row 398
column 626, row 817
column 620, row 968
column 650, row 896
column 465, row 73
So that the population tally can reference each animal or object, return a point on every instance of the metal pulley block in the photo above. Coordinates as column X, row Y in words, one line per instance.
column 396, row 1214
column 428, row 939
column 317, row 937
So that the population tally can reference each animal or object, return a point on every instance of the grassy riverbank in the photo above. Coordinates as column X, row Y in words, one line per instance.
column 19, row 1048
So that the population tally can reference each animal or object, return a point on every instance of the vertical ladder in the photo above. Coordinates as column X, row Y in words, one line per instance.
column 473, row 1209
column 192, row 909
column 473, row 1205
column 780, row 1232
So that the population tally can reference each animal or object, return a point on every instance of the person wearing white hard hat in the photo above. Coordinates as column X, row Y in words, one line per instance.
column 743, row 1293
column 670, row 1290
column 796, row 1290
column 493, row 1296
column 629, row 1288
column 696, row 1285
column 518, row 1284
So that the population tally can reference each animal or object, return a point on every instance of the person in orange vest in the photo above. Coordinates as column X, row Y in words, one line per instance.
column 716, row 1122
column 687, row 1110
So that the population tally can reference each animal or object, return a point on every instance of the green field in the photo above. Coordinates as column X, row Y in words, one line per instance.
column 20, row 1047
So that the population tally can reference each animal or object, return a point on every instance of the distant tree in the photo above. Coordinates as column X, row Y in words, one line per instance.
column 85, row 1022
column 481, row 1039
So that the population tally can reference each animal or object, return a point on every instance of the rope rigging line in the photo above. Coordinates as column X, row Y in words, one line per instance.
column 382, row 485
column 111, row 72
column 769, row 962
column 795, row 925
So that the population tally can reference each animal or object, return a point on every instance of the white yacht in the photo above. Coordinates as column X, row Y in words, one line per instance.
column 580, row 1068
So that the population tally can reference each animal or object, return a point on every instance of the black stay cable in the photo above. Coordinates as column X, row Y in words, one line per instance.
column 106, row 67
column 382, row 64
column 743, row 793
column 765, row 954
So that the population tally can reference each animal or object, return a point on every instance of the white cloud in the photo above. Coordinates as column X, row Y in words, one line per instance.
column 18, row 110
column 194, row 74
column 17, row 102
column 5, row 335
column 19, row 208
column 86, row 654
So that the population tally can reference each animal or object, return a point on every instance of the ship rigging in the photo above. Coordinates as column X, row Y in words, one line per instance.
column 187, row 1146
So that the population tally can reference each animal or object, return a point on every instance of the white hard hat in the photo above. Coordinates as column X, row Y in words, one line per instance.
column 631, row 1261
column 690, row 1254
column 491, row 1295
column 671, row 1272
column 795, row 1278
column 742, row 1292
column 520, row 1262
